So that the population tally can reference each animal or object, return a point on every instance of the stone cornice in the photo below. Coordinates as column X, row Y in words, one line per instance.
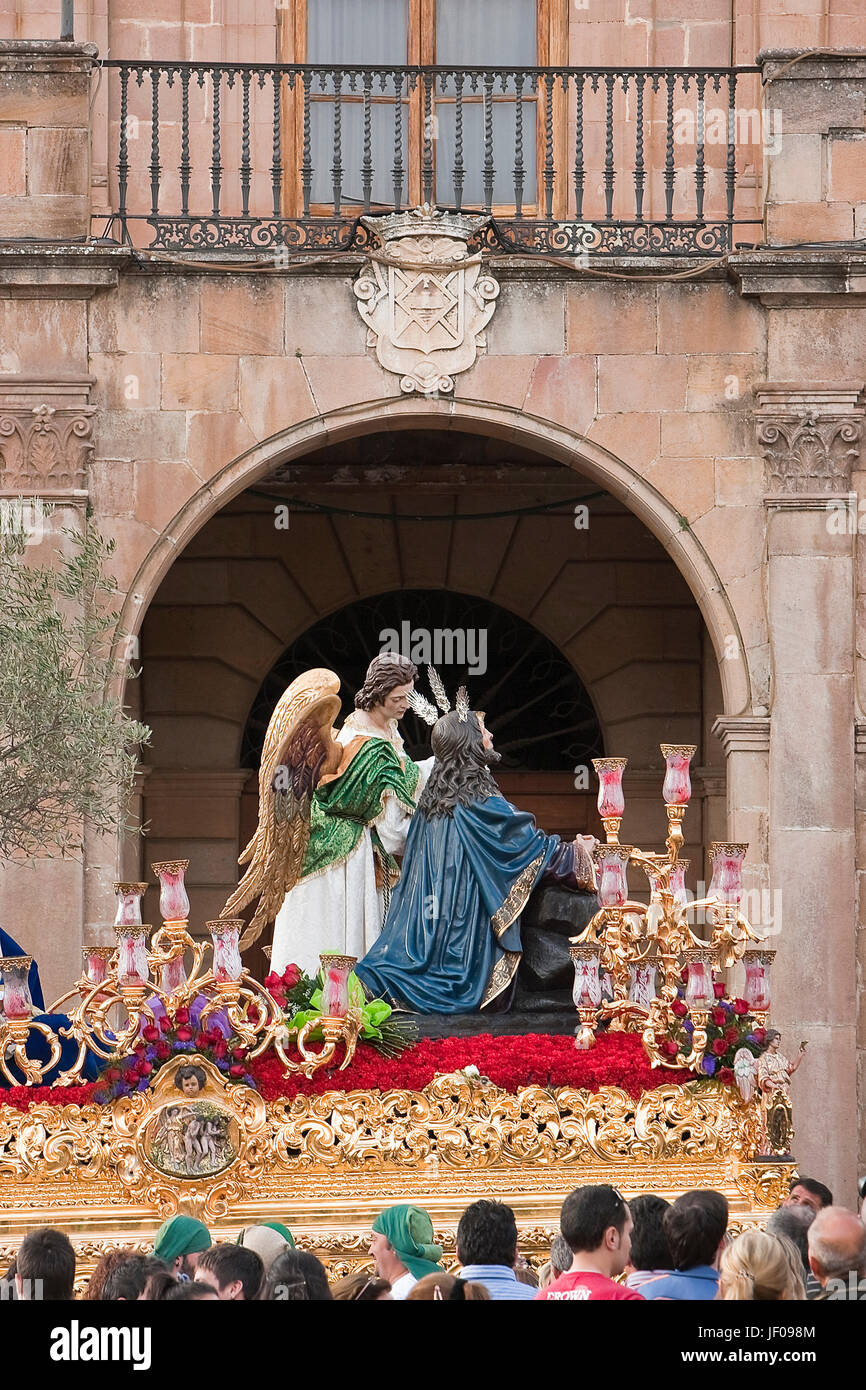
column 793, row 277
column 743, row 733
column 47, row 270
column 809, row 436
column 196, row 782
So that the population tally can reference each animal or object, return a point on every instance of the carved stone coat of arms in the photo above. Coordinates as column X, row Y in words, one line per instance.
column 424, row 297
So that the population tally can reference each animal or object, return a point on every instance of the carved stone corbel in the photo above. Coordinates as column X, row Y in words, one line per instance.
column 809, row 436
column 46, row 429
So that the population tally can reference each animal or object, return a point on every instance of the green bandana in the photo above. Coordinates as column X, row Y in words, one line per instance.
column 180, row 1235
column 410, row 1231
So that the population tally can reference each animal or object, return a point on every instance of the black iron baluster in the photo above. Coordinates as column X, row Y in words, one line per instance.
column 549, row 170
column 276, row 152
column 123, row 152
column 579, row 172
column 700, row 175
column 459, row 169
column 397, row 170
column 639, row 175
column 337, row 166
column 519, row 79
column 608, row 146
column 367, row 171
column 216, row 167
column 245, row 144
column 184, row 167
column 154, row 142
column 731, row 165
column 489, row 171
column 307, row 161
column 427, row 170
column 670, row 79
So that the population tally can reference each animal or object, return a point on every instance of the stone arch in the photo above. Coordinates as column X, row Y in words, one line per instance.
column 546, row 437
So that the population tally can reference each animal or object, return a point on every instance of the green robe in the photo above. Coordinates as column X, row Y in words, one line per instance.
column 342, row 809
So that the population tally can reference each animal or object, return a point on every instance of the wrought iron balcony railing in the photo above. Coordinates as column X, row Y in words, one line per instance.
column 244, row 157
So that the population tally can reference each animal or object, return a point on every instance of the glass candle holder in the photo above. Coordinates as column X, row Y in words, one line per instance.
column 611, row 800
column 129, row 897
column 727, row 881
column 642, row 981
column 225, row 936
column 677, row 788
column 586, row 992
column 611, row 861
column 756, row 990
column 336, row 970
column 172, row 975
column 173, row 901
column 132, row 965
column 678, row 883
column 17, row 1001
column 699, row 962
column 95, row 962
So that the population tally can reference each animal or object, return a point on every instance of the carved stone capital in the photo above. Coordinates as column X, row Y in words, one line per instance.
column 743, row 733
column 46, row 429
column 809, row 436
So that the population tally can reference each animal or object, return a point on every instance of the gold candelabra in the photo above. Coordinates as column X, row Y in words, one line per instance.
column 116, row 994
column 631, row 943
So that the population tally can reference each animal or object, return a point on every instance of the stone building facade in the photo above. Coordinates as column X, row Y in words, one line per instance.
column 710, row 407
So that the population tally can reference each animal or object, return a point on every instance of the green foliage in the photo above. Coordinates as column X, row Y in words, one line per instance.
column 66, row 745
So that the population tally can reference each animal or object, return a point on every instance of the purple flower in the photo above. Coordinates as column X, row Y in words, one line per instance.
column 688, row 1026
column 709, row 1065
column 726, row 1005
column 143, row 1084
column 150, row 1053
column 122, row 1088
column 248, row 1080
column 750, row 1037
column 184, row 1047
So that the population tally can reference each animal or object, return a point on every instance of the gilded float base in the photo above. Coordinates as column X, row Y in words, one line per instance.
column 326, row 1164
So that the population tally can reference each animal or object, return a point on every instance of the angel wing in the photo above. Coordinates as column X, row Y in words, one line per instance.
column 745, row 1069
column 299, row 750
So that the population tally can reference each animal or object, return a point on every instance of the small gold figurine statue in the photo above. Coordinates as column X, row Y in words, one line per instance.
column 774, row 1072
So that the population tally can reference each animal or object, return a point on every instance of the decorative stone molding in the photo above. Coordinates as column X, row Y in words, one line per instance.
column 743, row 733
column 798, row 279
column 423, row 297
column 860, row 738
column 46, row 429
column 196, row 782
column 809, row 436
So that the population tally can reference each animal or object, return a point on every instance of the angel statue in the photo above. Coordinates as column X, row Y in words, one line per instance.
column 451, row 942
column 334, row 810
column 771, row 1075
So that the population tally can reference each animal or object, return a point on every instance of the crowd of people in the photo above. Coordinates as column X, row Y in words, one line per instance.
column 606, row 1249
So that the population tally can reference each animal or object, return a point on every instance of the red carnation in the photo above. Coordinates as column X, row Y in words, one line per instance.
column 163, row 1050
column 150, row 1033
column 238, row 1054
column 759, row 1034
column 726, row 1076
column 202, row 1040
column 221, row 1049
column 275, row 987
column 678, row 1008
column 740, row 1006
column 184, row 1034
column 719, row 991
column 236, row 1070
column 145, row 1068
column 112, row 1074
column 291, row 976
column 732, row 1034
column 669, row 1048
column 182, row 1016
column 720, row 1046
column 165, row 1023
column 718, row 1016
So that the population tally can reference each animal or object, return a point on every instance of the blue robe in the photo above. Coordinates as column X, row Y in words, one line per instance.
column 36, row 1045
column 451, row 941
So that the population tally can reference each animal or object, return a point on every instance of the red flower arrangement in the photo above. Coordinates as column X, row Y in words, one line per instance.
column 730, row 1026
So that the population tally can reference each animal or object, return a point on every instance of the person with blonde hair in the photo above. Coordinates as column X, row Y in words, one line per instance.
column 761, row 1268
column 447, row 1288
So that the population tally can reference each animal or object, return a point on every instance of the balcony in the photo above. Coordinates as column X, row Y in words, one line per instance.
column 246, row 158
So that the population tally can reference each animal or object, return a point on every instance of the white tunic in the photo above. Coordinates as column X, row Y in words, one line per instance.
column 341, row 909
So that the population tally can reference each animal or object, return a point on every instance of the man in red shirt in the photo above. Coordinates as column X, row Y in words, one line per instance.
column 596, row 1224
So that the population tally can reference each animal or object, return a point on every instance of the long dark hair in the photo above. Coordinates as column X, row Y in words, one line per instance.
column 461, row 772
